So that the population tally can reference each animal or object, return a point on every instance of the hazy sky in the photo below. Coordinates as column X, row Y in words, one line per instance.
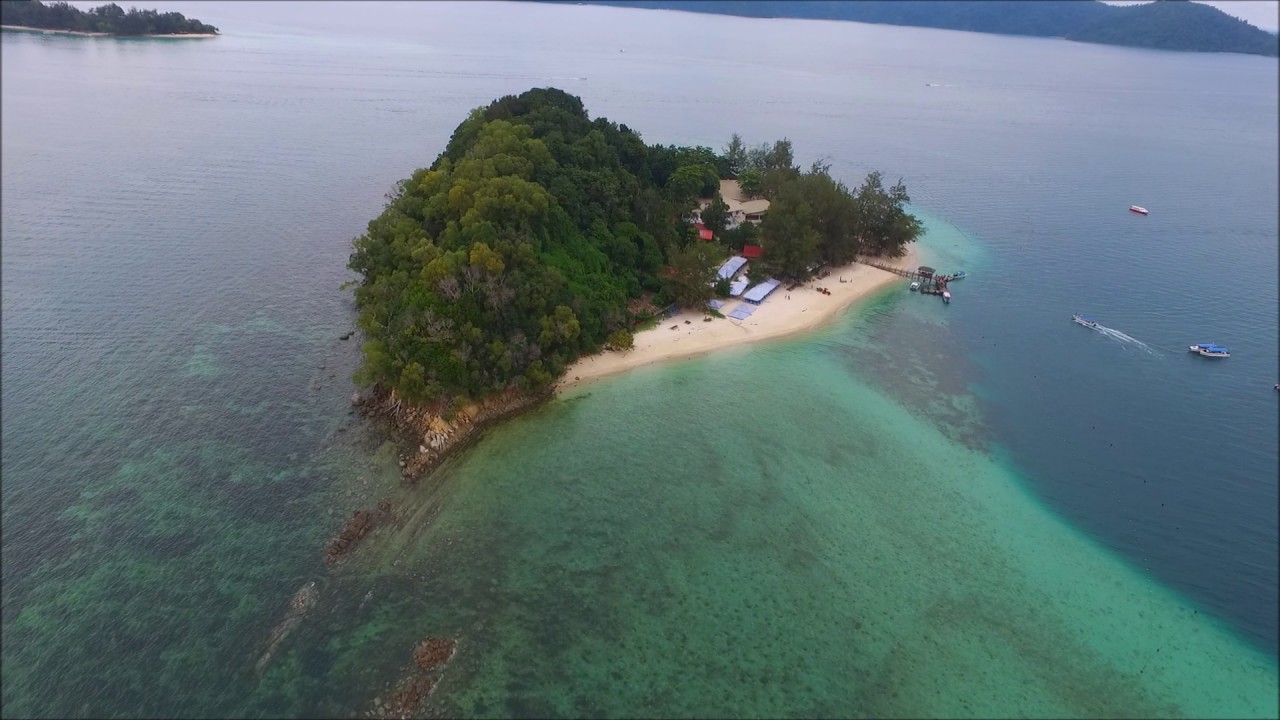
column 1262, row 13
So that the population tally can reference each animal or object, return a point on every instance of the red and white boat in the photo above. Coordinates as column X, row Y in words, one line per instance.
column 1139, row 210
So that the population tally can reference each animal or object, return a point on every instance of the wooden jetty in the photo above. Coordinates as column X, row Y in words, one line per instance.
column 910, row 274
column 931, row 283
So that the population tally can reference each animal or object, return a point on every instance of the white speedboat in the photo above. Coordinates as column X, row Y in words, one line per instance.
column 1082, row 320
column 1136, row 209
column 1196, row 348
column 946, row 296
column 915, row 286
column 1215, row 351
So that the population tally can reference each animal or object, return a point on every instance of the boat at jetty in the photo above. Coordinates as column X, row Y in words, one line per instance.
column 1215, row 351
column 915, row 286
column 959, row 275
column 946, row 296
column 1082, row 320
column 1139, row 210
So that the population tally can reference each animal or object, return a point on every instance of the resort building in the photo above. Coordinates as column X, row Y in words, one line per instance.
column 741, row 208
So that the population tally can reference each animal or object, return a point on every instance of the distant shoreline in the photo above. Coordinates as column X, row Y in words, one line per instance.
column 24, row 28
column 784, row 314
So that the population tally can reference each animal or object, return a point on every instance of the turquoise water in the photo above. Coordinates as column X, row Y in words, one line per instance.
column 976, row 509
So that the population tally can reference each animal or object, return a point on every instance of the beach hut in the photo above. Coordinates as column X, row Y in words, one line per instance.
column 739, row 286
column 757, row 294
column 752, row 252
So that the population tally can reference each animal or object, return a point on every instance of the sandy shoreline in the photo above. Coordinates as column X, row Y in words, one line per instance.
column 24, row 28
column 783, row 314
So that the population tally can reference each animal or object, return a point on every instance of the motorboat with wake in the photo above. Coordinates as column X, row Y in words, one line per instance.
column 1079, row 319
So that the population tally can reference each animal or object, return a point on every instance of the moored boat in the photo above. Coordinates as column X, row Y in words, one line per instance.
column 959, row 275
column 915, row 286
column 1082, row 320
column 1139, row 210
column 946, row 296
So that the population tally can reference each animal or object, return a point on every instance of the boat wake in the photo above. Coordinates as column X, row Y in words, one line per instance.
column 1126, row 339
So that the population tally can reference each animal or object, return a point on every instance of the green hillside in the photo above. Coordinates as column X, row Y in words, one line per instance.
column 1164, row 24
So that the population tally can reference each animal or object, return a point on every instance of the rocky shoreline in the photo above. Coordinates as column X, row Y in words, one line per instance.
column 437, row 435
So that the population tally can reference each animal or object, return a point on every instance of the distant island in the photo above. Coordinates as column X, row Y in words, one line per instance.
column 540, row 236
column 105, row 20
column 1159, row 25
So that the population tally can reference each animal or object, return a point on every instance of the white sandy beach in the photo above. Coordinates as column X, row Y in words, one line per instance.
column 782, row 314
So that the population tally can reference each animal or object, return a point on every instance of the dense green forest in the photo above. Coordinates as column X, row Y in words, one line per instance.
column 1163, row 24
column 110, row 19
column 540, row 235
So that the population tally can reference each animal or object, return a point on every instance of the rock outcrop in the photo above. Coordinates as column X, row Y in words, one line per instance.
column 430, row 658
column 355, row 529
column 434, row 434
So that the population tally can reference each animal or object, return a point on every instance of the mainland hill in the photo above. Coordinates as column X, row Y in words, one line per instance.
column 1162, row 25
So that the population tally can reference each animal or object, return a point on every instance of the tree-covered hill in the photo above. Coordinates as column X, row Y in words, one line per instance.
column 110, row 19
column 1163, row 24
column 540, row 235
column 1178, row 25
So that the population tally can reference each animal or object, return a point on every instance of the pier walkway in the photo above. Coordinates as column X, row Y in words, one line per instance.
column 931, row 283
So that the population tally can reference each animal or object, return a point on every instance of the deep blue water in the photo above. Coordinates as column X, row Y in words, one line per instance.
column 176, row 217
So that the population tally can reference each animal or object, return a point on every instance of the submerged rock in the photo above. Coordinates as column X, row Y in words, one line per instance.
column 299, row 605
column 429, row 658
column 434, row 652
column 357, row 527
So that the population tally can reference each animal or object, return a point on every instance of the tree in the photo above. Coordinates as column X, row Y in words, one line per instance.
column 621, row 340
column 751, row 181
column 692, row 181
column 716, row 214
column 690, row 278
column 746, row 233
column 735, row 155
column 883, row 226
column 780, row 157
column 791, row 240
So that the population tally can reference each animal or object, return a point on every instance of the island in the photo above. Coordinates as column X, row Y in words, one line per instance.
column 540, row 238
column 1160, row 25
column 107, row 20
